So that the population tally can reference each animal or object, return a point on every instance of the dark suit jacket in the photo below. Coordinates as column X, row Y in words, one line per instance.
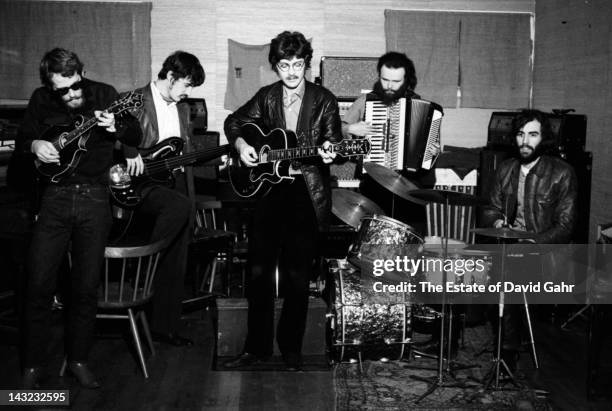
column 147, row 117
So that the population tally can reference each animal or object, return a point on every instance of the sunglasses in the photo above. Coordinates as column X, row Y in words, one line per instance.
column 64, row 90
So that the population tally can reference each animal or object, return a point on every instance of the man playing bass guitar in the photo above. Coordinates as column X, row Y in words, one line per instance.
column 75, row 208
column 287, row 220
column 162, row 116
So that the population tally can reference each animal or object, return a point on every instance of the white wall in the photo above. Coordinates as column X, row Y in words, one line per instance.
column 337, row 27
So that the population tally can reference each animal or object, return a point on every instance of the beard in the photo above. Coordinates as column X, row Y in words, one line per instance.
column 389, row 97
column 534, row 153
column 74, row 103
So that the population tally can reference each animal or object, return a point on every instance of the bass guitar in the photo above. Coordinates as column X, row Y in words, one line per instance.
column 274, row 152
column 70, row 141
column 159, row 161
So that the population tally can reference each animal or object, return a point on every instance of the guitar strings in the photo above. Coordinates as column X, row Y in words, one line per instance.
column 163, row 164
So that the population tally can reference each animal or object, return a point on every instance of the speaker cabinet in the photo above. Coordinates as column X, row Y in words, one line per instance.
column 232, row 326
column 568, row 131
column 198, row 114
column 347, row 76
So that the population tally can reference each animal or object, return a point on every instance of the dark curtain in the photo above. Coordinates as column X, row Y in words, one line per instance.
column 431, row 41
column 487, row 55
column 112, row 39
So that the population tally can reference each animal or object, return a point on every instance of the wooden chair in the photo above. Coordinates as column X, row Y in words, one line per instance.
column 212, row 246
column 462, row 218
column 127, row 286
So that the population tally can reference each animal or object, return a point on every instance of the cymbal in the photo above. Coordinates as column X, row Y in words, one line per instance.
column 504, row 232
column 456, row 198
column 392, row 181
column 351, row 207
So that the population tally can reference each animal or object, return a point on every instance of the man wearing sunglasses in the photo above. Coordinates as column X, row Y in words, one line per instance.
column 75, row 210
column 164, row 114
column 287, row 220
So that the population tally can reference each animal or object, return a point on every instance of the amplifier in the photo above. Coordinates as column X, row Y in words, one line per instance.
column 568, row 130
column 198, row 114
column 347, row 76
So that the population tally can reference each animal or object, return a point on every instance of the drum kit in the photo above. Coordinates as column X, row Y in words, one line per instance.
column 379, row 326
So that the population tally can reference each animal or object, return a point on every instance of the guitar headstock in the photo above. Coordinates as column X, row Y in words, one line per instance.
column 353, row 147
column 130, row 101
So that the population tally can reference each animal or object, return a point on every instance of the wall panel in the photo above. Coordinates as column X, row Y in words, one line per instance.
column 573, row 68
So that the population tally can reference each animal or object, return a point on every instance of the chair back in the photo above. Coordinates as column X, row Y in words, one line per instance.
column 207, row 215
column 129, row 273
column 462, row 218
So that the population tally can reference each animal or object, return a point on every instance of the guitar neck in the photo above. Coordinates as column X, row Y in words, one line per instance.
column 65, row 139
column 293, row 153
column 155, row 166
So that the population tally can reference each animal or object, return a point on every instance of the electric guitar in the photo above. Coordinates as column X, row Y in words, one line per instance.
column 70, row 141
column 159, row 161
column 273, row 151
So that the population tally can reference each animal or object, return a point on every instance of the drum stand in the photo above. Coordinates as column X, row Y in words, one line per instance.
column 442, row 380
column 498, row 361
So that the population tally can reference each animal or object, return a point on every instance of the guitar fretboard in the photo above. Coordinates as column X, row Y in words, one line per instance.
column 155, row 166
column 117, row 107
column 293, row 153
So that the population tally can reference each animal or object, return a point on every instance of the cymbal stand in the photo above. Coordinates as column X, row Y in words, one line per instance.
column 441, row 380
column 498, row 361
column 531, row 339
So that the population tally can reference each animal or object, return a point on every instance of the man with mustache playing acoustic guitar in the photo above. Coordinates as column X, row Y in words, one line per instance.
column 287, row 220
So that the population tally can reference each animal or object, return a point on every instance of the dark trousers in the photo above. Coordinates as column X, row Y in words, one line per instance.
column 79, row 214
column 284, row 231
column 171, row 211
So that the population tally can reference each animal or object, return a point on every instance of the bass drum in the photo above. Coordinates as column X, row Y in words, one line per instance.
column 364, row 323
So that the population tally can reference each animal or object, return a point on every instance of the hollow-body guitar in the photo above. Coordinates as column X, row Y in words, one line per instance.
column 275, row 151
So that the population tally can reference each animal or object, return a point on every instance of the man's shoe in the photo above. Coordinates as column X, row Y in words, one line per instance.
column 83, row 374
column 172, row 339
column 293, row 361
column 31, row 378
column 243, row 360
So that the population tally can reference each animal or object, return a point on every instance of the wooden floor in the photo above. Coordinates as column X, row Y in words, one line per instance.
column 182, row 378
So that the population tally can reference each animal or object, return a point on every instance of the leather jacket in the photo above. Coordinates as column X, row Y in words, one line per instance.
column 266, row 110
column 147, row 117
column 550, row 198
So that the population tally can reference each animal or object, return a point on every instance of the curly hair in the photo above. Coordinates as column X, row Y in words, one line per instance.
column 287, row 45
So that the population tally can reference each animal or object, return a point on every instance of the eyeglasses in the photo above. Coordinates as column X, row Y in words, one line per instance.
column 297, row 66
column 64, row 90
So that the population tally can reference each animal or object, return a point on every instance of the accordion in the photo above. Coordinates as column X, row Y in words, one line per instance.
column 406, row 132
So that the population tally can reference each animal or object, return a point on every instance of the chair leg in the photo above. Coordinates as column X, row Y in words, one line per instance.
column 137, row 342
column 63, row 367
column 213, row 272
column 145, row 327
